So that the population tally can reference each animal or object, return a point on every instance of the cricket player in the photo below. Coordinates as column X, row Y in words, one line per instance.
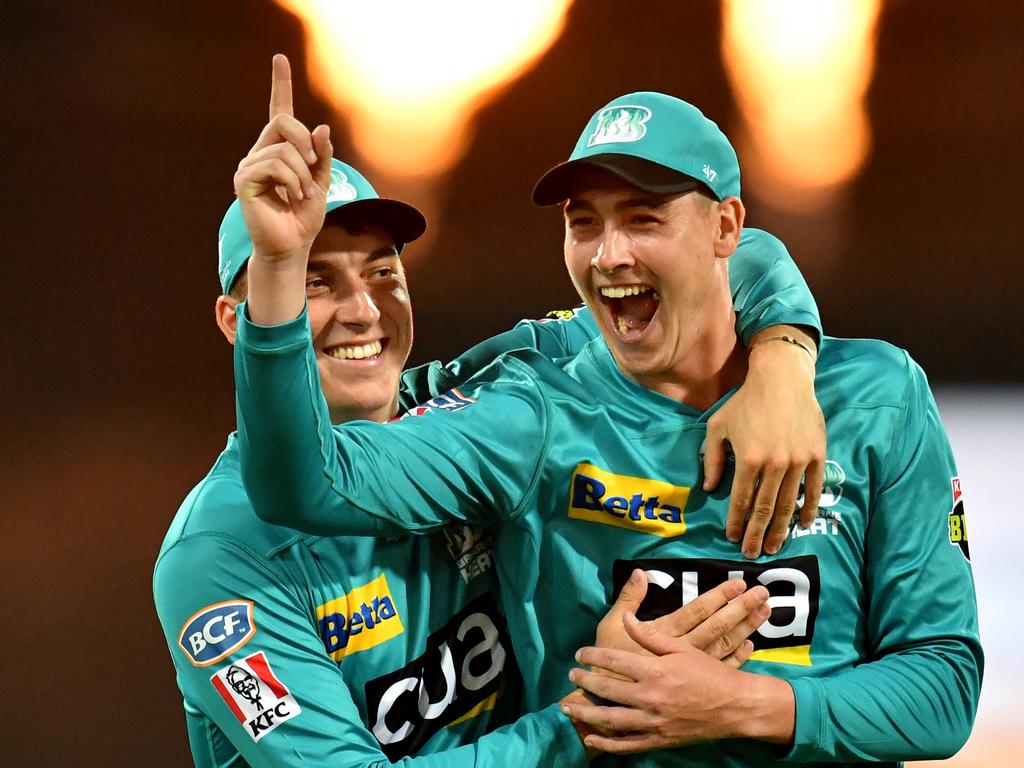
column 259, row 620
column 872, row 651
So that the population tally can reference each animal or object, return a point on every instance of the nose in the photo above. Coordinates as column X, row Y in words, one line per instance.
column 357, row 309
column 613, row 252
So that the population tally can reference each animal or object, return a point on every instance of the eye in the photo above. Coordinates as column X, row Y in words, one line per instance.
column 580, row 222
column 382, row 272
column 644, row 219
column 314, row 284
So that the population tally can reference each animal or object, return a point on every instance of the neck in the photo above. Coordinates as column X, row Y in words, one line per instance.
column 341, row 415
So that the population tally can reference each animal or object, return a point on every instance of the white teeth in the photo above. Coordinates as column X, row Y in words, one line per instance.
column 618, row 292
column 356, row 352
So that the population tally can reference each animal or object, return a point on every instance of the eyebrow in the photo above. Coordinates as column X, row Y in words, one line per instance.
column 320, row 263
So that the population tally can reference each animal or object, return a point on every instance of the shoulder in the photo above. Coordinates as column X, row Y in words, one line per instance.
column 752, row 237
column 865, row 373
column 218, row 509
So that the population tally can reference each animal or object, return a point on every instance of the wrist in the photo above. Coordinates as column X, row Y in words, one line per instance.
column 767, row 710
column 770, row 354
column 276, row 290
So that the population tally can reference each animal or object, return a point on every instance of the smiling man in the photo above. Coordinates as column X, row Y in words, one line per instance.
column 578, row 460
column 308, row 650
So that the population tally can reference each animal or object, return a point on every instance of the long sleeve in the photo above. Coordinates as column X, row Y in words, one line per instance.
column 417, row 474
column 767, row 288
column 918, row 697
column 278, row 699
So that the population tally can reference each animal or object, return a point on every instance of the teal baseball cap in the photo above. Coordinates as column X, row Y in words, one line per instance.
column 348, row 189
column 655, row 142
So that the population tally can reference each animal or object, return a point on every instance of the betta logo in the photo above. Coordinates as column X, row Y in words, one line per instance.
column 363, row 618
column 634, row 503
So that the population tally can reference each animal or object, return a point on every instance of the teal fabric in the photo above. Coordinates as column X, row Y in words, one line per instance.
column 657, row 128
column 587, row 473
column 217, row 550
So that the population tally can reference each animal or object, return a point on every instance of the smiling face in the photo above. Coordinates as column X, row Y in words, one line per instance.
column 652, row 270
column 361, row 321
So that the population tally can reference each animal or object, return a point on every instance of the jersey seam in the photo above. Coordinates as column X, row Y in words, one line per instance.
column 258, row 559
column 531, row 489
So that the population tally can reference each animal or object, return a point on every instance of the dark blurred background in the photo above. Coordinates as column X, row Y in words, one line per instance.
column 124, row 123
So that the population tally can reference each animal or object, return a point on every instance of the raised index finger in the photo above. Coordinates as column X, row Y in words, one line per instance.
column 281, row 87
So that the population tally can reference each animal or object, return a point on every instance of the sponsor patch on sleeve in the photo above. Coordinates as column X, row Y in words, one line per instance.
column 958, row 521
column 217, row 631
column 560, row 314
column 254, row 694
column 451, row 401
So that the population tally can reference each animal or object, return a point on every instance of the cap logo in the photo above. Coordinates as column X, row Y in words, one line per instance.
column 710, row 173
column 620, row 124
column 340, row 188
column 225, row 267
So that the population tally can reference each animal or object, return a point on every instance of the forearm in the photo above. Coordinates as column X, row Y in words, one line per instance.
column 277, row 289
column 286, row 440
column 914, row 705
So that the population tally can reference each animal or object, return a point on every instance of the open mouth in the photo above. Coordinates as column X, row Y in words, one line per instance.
column 632, row 307
column 369, row 351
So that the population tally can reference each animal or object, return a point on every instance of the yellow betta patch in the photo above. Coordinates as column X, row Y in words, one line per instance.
column 361, row 619
column 634, row 503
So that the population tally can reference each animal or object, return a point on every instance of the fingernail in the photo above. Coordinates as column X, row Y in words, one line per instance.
column 572, row 675
column 577, row 656
column 636, row 576
column 566, row 711
column 771, row 549
column 310, row 192
column 764, row 611
column 311, row 156
column 300, row 194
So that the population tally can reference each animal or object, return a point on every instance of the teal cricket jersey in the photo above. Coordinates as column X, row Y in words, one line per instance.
column 299, row 650
column 387, row 608
column 874, row 620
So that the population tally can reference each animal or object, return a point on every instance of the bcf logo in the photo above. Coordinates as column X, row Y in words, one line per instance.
column 217, row 631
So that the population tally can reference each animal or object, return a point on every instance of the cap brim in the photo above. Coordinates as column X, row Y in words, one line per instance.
column 401, row 220
column 556, row 185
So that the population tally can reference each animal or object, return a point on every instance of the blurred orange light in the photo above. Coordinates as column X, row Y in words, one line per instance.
column 408, row 75
column 800, row 69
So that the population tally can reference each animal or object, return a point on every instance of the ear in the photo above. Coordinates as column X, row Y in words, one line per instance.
column 227, row 320
column 730, row 214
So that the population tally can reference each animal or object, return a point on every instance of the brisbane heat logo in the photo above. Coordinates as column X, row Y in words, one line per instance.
column 957, row 520
column 634, row 503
